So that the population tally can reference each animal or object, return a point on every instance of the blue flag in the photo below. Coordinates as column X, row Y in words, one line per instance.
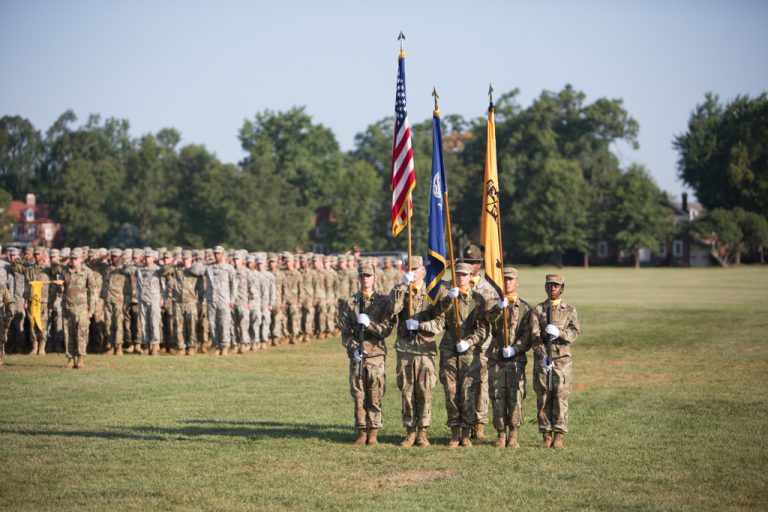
column 436, row 224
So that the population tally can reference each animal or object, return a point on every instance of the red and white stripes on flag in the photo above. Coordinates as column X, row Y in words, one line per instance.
column 403, row 177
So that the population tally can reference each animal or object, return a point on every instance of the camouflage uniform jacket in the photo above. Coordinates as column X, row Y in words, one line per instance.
column 473, row 327
column 376, row 306
column 149, row 285
column 565, row 317
column 80, row 290
column 330, row 286
column 17, row 281
column 246, row 291
column 291, row 286
column 519, row 330
column 184, row 285
column 277, row 278
column 220, row 284
column 38, row 273
column 307, row 287
column 342, row 284
column 431, row 319
column 117, row 286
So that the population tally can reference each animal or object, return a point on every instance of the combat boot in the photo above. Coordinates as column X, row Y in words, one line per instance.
column 154, row 349
column 558, row 441
column 410, row 437
column 240, row 349
column 421, row 438
column 80, row 362
column 455, row 437
column 190, row 351
column 225, row 351
column 129, row 349
column 362, row 437
column 138, row 350
column 119, row 350
column 479, row 432
column 34, row 348
column 70, row 362
column 512, row 440
column 466, row 442
column 501, row 439
column 201, row 347
column 547, row 440
column 373, row 437
column 41, row 349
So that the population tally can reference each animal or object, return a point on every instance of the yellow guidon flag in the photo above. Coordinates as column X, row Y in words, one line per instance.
column 490, row 221
column 35, row 302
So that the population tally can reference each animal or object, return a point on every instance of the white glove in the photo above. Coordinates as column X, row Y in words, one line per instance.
column 408, row 278
column 462, row 347
column 453, row 293
column 357, row 356
column 548, row 365
column 508, row 352
column 503, row 304
column 364, row 319
column 552, row 330
column 412, row 325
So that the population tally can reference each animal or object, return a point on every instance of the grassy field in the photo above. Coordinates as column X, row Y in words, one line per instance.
column 670, row 411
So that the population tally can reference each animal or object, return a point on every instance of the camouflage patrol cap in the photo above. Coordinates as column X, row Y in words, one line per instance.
column 151, row 254
column 178, row 252
column 39, row 250
column 186, row 254
column 55, row 253
column 472, row 254
column 463, row 268
column 138, row 253
column 128, row 253
column 555, row 278
column 366, row 269
column 77, row 252
column 416, row 262
column 116, row 252
column 197, row 253
column 208, row 252
column 510, row 272
column 103, row 251
column 13, row 251
column 29, row 249
column 93, row 253
column 168, row 255
column 260, row 257
column 251, row 258
column 287, row 256
column 271, row 256
column 147, row 249
column 218, row 249
column 66, row 252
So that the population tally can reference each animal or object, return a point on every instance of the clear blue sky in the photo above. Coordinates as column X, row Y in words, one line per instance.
column 204, row 67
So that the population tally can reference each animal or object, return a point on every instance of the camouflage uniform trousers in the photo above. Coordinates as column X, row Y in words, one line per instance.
column 17, row 328
column 132, row 327
column 168, row 323
column 278, row 326
column 76, row 324
column 416, row 379
column 507, row 380
column 321, row 317
column 219, row 319
column 562, row 383
column 368, row 399
column 481, row 394
column 40, row 334
column 330, row 318
column 293, row 319
column 185, row 324
column 308, row 319
column 242, row 324
column 98, row 328
column 56, row 326
column 264, row 326
column 459, row 379
column 114, row 321
column 255, row 319
column 149, row 322
column 203, row 326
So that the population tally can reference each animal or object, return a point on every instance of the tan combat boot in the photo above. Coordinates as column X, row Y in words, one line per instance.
column 410, row 437
column 80, row 362
column 421, row 438
column 201, row 347
column 154, row 349
column 41, row 349
column 373, row 437
column 455, row 437
column 547, row 440
column 558, row 441
column 190, row 351
column 501, row 439
column 466, row 442
column 70, row 362
column 143, row 351
column 240, row 349
column 479, row 433
column 119, row 350
column 362, row 437
column 34, row 348
column 512, row 439
column 129, row 349
column 225, row 351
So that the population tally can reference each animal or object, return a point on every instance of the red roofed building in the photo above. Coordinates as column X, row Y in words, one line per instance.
column 34, row 225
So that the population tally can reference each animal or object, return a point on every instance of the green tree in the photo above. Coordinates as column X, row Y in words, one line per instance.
column 21, row 153
column 754, row 228
column 719, row 230
column 724, row 153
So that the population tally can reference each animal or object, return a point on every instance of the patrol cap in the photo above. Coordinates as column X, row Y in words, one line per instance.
column 93, row 253
column 218, row 249
column 66, row 252
column 168, row 255
column 138, row 253
column 260, row 257
column 272, row 256
column 178, row 252
column 510, row 272
column 555, row 278
column 197, row 253
column 208, row 252
column 55, row 253
column 416, row 262
column 77, row 252
column 250, row 258
column 151, row 254
column 147, row 249
column 463, row 268
column 287, row 256
column 186, row 254
column 128, row 253
column 472, row 254
column 366, row 268
column 116, row 252
column 13, row 251
column 103, row 251
column 39, row 250
column 29, row 249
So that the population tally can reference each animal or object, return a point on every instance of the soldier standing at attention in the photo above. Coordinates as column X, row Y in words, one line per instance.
column 38, row 272
column 342, row 287
column 186, row 298
column 79, row 304
column 278, row 325
column 245, row 301
column 17, row 283
column 562, row 329
column 266, row 285
column 320, row 296
column 365, row 324
column 307, row 297
column 291, row 297
column 220, row 296
column 115, row 294
column 55, row 320
column 418, row 324
column 150, row 294
column 506, row 364
column 7, row 306
column 460, row 354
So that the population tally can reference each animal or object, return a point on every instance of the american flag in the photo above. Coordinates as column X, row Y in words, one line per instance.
column 402, row 178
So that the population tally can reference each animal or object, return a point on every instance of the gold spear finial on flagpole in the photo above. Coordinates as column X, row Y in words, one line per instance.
column 401, row 38
column 434, row 95
column 490, row 95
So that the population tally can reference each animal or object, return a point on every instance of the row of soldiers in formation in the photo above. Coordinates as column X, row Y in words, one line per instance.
column 486, row 337
column 134, row 300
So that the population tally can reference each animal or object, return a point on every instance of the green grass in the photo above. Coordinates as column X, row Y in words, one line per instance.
column 670, row 411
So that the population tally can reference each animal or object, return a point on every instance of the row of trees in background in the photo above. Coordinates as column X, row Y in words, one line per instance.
column 562, row 187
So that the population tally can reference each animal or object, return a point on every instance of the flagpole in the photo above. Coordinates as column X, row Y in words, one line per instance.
column 491, row 111
column 401, row 38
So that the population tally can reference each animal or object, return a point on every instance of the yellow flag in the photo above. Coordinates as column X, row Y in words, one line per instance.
column 490, row 230
column 34, row 303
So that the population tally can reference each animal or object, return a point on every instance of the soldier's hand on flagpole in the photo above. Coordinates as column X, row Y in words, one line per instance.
column 453, row 293
column 462, row 346
column 411, row 324
column 408, row 278
column 553, row 331
column 363, row 319
column 508, row 352
column 502, row 303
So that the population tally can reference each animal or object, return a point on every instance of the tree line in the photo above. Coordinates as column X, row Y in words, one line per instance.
column 562, row 186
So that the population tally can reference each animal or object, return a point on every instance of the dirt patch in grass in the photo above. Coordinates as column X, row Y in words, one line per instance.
column 413, row 477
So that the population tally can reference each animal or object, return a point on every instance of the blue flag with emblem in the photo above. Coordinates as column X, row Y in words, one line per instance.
column 436, row 225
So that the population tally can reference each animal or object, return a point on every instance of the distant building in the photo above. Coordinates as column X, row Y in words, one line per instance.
column 318, row 235
column 34, row 225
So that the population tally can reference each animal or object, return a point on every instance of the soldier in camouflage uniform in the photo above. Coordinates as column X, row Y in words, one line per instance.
column 267, row 287
column 38, row 272
column 365, row 318
column 7, row 306
column 307, row 297
column 96, row 262
column 418, row 324
column 506, row 362
column 247, row 298
column 342, row 286
column 185, row 295
column 390, row 276
column 150, row 293
column 278, row 324
column 331, row 297
column 320, row 296
column 79, row 303
column 167, row 264
column 291, row 297
column 563, row 331
column 17, row 283
column 465, row 332
column 116, row 294
column 220, row 296
column 55, row 320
